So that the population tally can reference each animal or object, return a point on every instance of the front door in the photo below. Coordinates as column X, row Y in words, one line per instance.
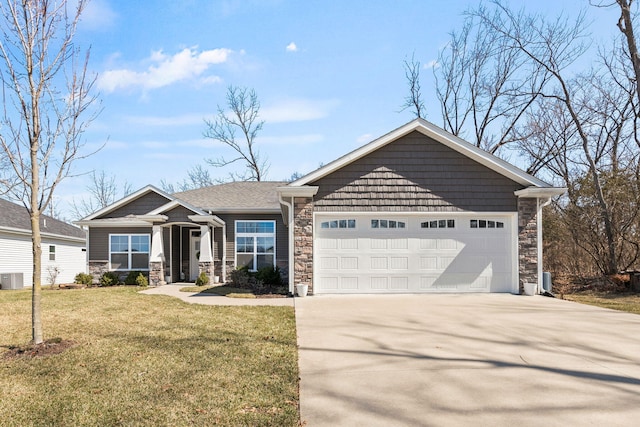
column 194, row 255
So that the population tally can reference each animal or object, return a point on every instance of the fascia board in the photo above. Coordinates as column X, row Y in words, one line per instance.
column 298, row 191
column 174, row 203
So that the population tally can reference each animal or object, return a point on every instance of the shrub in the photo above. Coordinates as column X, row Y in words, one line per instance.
column 241, row 278
column 132, row 278
column 202, row 279
column 109, row 278
column 270, row 276
column 83, row 279
column 142, row 280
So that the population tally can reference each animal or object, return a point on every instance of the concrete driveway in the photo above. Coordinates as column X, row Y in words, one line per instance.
column 446, row 360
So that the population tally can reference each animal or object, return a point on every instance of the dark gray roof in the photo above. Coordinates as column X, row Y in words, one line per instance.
column 16, row 216
column 240, row 195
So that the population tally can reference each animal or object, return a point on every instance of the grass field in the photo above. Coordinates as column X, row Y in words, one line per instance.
column 623, row 302
column 146, row 360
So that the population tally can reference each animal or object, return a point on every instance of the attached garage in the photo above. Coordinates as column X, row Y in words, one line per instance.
column 409, row 253
column 417, row 210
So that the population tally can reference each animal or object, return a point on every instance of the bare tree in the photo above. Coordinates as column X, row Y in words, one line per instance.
column 242, row 117
column 413, row 101
column 484, row 83
column 103, row 191
column 47, row 94
column 198, row 177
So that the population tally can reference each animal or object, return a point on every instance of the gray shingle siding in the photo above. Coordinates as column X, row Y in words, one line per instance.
column 99, row 240
column 415, row 173
column 282, row 236
column 140, row 206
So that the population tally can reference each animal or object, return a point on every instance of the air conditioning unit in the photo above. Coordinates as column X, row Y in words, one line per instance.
column 11, row 281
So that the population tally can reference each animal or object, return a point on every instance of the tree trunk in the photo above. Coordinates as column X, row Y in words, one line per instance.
column 36, row 317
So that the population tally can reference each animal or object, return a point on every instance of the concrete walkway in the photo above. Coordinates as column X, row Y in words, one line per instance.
column 466, row 360
column 173, row 290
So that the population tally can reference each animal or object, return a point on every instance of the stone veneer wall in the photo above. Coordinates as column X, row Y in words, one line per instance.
column 156, row 273
column 96, row 269
column 527, row 241
column 303, row 242
column 208, row 268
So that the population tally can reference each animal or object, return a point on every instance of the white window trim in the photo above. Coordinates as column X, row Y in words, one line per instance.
column 130, row 253
column 52, row 252
column 255, row 241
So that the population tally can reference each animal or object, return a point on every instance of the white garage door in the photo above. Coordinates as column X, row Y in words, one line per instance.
column 388, row 253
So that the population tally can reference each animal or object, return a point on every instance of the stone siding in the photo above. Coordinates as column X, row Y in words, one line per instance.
column 208, row 268
column 96, row 269
column 303, row 242
column 156, row 273
column 527, row 241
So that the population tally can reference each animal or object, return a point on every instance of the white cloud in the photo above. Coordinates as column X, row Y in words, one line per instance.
column 165, row 70
column 298, row 110
column 291, row 47
column 367, row 137
column 431, row 64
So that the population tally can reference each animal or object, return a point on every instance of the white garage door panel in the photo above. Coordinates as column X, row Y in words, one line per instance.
column 414, row 259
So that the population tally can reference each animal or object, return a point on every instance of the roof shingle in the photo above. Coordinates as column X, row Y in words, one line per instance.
column 16, row 216
column 240, row 195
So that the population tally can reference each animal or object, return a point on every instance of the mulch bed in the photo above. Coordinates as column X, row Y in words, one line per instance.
column 46, row 348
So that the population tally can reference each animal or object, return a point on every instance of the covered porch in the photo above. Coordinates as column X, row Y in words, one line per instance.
column 182, row 250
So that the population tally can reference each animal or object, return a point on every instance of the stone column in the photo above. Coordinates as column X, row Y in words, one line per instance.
column 205, row 262
column 527, row 241
column 156, row 258
column 303, row 242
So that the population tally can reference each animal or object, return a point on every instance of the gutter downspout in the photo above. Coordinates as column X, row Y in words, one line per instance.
column 541, row 203
column 289, row 206
column 224, row 253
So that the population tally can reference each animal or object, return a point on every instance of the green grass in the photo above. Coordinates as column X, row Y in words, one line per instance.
column 622, row 302
column 147, row 360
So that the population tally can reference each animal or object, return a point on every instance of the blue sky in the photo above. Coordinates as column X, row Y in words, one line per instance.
column 329, row 76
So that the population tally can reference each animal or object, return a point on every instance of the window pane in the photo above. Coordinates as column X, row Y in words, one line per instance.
column 265, row 245
column 352, row 223
column 383, row 223
column 374, row 223
column 334, row 224
column 120, row 261
column 499, row 224
column 473, row 223
column 451, row 223
column 433, row 224
column 324, row 224
column 241, row 227
column 265, row 261
column 400, row 224
column 392, row 224
column 442, row 223
column 244, row 244
column 140, row 244
column 139, row 261
column 491, row 224
column 424, row 225
column 482, row 223
column 343, row 223
column 245, row 260
column 119, row 243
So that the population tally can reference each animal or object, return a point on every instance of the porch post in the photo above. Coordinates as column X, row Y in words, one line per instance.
column 205, row 262
column 156, row 258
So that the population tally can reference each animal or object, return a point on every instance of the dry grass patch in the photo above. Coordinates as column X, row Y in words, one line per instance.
column 622, row 302
column 148, row 360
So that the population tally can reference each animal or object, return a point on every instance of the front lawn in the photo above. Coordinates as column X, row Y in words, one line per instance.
column 623, row 302
column 147, row 360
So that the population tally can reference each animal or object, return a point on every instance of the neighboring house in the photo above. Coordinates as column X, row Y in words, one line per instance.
column 63, row 246
column 417, row 210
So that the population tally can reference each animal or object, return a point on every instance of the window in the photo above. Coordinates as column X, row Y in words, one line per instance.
column 52, row 253
column 387, row 223
column 439, row 223
column 339, row 223
column 255, row 244
column 129, row 251
column 482, row 223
